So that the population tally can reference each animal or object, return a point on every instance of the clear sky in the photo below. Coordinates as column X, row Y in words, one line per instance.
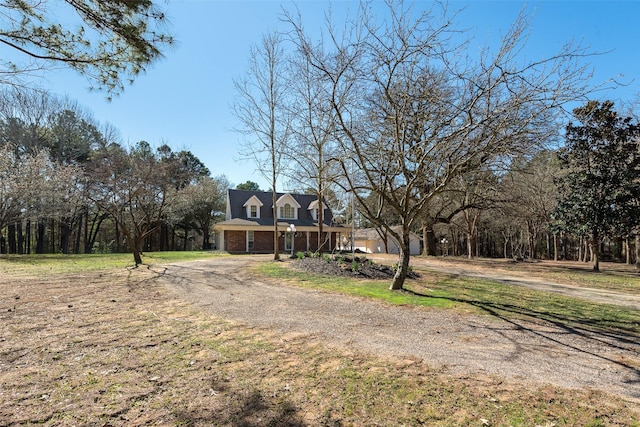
column 184, row 99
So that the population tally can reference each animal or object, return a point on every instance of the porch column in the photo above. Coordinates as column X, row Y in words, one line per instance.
column 221, row 240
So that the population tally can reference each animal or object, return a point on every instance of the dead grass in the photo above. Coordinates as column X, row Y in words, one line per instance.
column 112, row 348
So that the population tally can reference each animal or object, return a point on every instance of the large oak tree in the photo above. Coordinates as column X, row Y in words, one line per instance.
column 415, row 110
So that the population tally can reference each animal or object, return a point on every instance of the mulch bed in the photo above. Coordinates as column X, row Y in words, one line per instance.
column 346, row 266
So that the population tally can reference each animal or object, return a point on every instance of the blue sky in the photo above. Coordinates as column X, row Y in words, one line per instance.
column 184, row 100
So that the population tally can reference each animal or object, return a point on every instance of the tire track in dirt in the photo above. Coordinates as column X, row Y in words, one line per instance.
column 523, row 351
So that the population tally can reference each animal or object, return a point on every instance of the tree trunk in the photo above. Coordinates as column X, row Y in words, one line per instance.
column 429, row 243
column 13, row 245
column 117, row 226
column 135, row 243
column 28, row 238
column 52, row 239
column 276, row 252
column 20, row 236
column 321, row 240
column 92, row 236
column 186, row 239
column 164, row 237
column 137, row 257
column 65, row 235
column 206, row 234
column 627, row 250
column 87, row 245
column 595, row 251
column 403, row 265
column 40, row 236
column 469, row 245
column 555, row 246
column 76, row 243
column 637, row 241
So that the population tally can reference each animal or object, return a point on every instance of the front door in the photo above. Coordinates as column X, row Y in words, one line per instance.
column 288, row 241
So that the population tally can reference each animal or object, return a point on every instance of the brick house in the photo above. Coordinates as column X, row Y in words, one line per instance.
column 248, row 224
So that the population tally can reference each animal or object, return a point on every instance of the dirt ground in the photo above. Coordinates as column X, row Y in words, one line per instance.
column 190, row 343
column 536, row 352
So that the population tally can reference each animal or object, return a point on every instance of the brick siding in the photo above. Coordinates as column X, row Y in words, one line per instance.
column 236, row 241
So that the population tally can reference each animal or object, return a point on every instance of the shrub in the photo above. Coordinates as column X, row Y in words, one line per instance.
column 327, row 258
column 300, row 255
column 355, row 267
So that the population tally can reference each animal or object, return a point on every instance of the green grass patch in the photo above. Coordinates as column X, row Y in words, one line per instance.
column 612, row 276
column 607, row 280
column 500, row 300
column 513, row 302
column 374, row 289
column 66, row 263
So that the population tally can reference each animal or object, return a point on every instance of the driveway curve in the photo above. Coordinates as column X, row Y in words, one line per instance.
column 529, row 352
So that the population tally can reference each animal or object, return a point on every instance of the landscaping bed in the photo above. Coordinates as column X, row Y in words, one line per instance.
column 346, row 265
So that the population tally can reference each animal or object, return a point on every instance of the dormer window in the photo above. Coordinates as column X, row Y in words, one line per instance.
column 252, row 207
column 287, row 207
column 287, row 212
column 314, row 208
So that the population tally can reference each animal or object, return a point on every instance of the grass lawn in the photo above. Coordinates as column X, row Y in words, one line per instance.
column 61, row 263
column 93, row 342
column 440, row 290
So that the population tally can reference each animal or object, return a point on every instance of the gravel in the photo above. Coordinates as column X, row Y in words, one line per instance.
column 462, row 344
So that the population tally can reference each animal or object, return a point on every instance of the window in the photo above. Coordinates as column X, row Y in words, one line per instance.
column 252, row 207
column 250, row 239
column 287, row 212
column 314, row 210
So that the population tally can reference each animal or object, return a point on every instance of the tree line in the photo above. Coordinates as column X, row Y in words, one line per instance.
column 70, row 186
column 395, row 117
column 398, row 115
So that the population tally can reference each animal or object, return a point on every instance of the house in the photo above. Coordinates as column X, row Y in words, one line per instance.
column 248, row 225
column 368, row 240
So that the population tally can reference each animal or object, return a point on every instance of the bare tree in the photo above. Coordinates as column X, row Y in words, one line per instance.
column 262, row 109
column 135, row 189
column 201, row 204
column 472, row 193
column 414, row 112
column 313, row 147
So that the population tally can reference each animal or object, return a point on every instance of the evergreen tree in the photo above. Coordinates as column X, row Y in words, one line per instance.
column 601, row 187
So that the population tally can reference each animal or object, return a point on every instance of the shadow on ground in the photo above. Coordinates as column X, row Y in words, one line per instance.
column 623, row 336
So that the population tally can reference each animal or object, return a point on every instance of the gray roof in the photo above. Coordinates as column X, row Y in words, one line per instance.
column 237, row 199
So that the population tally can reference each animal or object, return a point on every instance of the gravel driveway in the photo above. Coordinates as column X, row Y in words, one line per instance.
column 536, row 353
